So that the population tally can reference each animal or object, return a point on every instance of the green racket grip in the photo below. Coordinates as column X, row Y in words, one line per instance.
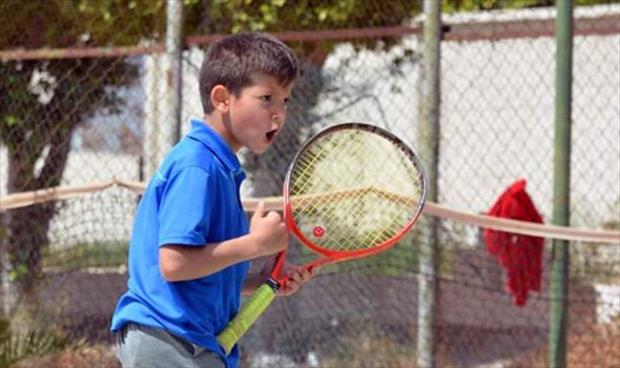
column 247, row 315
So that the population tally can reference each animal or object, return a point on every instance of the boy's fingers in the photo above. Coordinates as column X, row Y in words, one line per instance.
column 307, row 275
column 260, row 209
column 297, row 277
column 274, row 216
column 300, row 275
column 290, row 288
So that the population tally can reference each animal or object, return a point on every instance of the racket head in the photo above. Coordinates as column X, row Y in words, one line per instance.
column 353, row 190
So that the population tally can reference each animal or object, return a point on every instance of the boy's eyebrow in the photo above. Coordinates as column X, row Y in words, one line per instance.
column 272, row 89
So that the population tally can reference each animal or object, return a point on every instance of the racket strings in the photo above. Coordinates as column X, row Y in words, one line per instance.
column 353, row 189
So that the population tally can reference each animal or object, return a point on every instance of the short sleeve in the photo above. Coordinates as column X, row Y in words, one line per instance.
column 186, row 207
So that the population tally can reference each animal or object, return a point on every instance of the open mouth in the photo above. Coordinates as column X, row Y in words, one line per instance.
column 271, row 135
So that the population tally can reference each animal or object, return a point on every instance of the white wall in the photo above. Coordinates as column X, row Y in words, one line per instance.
column 100, row 217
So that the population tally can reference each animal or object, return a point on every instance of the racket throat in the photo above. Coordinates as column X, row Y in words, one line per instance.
column 273, row 283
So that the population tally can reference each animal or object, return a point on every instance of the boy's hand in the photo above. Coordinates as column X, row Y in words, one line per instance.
column 268, row 231
column 297, row 277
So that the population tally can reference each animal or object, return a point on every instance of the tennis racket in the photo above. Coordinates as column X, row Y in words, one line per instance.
column 352, row 190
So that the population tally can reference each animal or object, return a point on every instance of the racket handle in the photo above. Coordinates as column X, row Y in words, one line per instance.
column 247, row 315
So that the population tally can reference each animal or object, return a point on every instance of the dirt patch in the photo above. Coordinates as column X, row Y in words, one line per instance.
column 98, row 356
column 596, row 346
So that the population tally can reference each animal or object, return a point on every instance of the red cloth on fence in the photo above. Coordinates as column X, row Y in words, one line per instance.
column 520, row 255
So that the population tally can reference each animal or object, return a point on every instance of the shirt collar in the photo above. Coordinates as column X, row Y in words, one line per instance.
column 206, row 135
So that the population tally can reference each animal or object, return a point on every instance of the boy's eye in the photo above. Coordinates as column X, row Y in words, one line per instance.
column 286, row 101
column 266, row 98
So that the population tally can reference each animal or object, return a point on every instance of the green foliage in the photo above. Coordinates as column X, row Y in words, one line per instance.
column 224, row 16
column 451, row 6
column 87, row 255
column 15, row 346
column 278, row 15
column 67, row 23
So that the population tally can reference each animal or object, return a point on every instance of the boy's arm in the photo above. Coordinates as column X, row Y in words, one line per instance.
column 267, row 236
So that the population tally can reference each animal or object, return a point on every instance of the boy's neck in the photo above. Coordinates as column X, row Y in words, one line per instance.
column 217, row 123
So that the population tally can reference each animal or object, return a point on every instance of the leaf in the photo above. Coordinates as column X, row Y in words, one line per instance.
column 11, row 120
column 322, row 15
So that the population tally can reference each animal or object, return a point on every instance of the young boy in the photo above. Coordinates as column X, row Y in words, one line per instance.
column 191, row 243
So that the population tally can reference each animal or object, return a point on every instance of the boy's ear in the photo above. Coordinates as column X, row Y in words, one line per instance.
column 220, row 98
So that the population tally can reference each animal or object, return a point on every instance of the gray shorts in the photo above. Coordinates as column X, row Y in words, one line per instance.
column 141, row 346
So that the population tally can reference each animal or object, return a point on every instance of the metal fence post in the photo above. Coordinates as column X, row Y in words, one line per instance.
column 174, row 67
column 8, row 289
column 561, row 182
column 429, row 150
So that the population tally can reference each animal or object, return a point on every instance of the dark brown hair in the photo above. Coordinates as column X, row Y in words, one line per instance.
column 234, row 60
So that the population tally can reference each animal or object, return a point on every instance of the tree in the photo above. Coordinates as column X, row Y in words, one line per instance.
column 43, row 101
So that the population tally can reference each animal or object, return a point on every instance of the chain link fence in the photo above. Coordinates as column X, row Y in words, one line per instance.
column 86, row 102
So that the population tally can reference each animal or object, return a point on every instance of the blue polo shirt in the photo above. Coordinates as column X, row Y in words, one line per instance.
column 192, row 200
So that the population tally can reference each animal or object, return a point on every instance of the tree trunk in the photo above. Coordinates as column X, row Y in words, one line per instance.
column 27, row 227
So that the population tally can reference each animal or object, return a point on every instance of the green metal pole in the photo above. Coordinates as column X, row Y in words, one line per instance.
column 561, row 182
column 429, row 150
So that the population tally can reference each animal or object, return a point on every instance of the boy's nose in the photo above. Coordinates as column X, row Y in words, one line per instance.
column 279, row 114
column 276, row 121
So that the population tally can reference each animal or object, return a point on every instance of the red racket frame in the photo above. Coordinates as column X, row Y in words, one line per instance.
column 331, row 256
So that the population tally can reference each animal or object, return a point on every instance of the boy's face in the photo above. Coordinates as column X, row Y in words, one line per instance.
column 258, row 114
